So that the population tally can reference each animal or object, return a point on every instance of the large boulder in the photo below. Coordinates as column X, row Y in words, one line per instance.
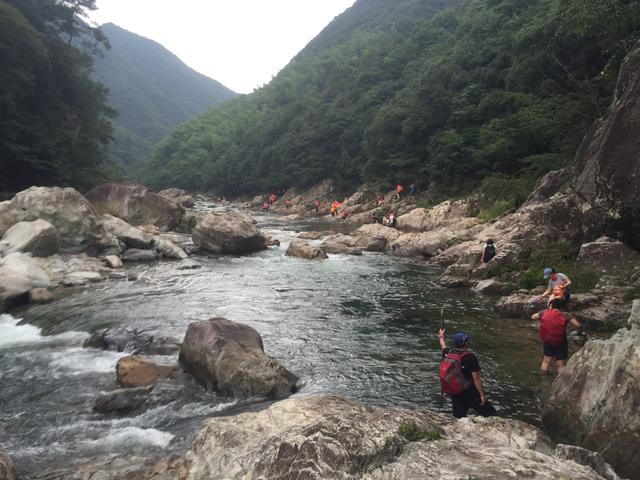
column 301, row 249
column 228, row 233
column 27, row 266
column 38, row 238
column 607, row 167
column 328, row 437
column 518, row 305
column 608, row 255
column 179, row 196
column 594, row 401
column 9, row 215
column 134, row 371
column 422, row 219
column 136, row 204
column 6, row 467
column 168, row 249
column 131, row 236
column 229, row 357
column 79, row 227
column 14, row 288
column 375, row 237
column 342, row 244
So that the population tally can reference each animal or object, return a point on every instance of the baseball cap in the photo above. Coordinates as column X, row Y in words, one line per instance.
column 460, row 338
column 547, row 272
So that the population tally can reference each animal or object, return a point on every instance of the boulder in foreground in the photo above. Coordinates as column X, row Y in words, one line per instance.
column 228, row 232
column 229, row 357
column 39, row 238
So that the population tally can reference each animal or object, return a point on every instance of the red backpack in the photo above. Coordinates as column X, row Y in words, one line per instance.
column 451, row 377
column 552, row 327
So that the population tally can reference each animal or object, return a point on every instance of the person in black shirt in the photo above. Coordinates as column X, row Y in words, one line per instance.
column 489, row 252
column 474, row 396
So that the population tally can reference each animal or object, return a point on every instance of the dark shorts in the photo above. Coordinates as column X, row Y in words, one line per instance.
column 560, row 353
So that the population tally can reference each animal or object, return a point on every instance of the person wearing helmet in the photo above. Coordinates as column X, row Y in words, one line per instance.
column 472, row 394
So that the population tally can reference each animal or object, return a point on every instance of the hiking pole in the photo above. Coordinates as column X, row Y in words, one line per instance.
column 442, row 317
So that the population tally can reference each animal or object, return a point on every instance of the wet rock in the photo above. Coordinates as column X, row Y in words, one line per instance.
column 228, row 233
column 326, row 437
column 229, row 357
column 118, row 275
column 179, row 239
column 594, row 401
column 136, row 204
column 6, row 467
column 39, row 238
column 131, row 236
column 134, row 371
column 77, row 279
column 341, row 244
column 14, row 289
column 169, row 250
column 122, row 400
column 608, row 255
column 192, row 250
column 113, row 261
column 313, row 235
column 137, row 255
column 491, row 286
column 26, row 265
column 40, row 295
column 450, row 281
column 132, row 341
column 179, row 196
column 301, row 249
column 271, row 242
column 190, row 266
column 74, row 218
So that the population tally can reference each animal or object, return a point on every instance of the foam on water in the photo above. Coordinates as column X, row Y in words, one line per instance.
column 129, row 437
column 78, row 360
column 13, row 335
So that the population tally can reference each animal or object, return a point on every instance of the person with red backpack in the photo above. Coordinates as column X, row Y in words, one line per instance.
column 553, row 333
column 460, row 377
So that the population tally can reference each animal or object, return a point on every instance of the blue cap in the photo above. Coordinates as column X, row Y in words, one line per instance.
column 460, row 338
column 547, row 272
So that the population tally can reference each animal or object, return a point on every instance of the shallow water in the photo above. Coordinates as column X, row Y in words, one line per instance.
column 361, row 326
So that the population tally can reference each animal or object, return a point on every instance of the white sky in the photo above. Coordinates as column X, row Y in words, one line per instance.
column 240, row 43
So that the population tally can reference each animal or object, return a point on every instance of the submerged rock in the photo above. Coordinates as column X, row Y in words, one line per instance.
column 228, row 233
column 122, row 400
column 301, row 249
column 229, row 357
column 132, row 341
column 39, row 238
column 6, row 467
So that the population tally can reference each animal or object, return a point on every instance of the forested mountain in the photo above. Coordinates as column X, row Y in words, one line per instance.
column 458, row 95
column 152, row 91
column 53, row 118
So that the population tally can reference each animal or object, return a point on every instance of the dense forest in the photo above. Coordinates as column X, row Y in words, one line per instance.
column 54, row 122
column 456, row 95
column 152, row 90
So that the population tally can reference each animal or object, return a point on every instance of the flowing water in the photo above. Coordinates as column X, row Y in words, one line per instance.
column 361, row 326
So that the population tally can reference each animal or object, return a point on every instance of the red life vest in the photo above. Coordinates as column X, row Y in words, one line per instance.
column 552, row 327
column 451, row 378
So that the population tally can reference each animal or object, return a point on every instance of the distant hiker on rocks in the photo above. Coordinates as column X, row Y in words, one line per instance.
column 558, row 288
column 316, row 205
column 265, row 206
column 460, row 377
column 389, row 220
column 412, row 189
column 489, row 252
column 287, row 203
column 381, row 200
column 399, row 190
column 345, row 214
column 553, row 333
column 334, row 208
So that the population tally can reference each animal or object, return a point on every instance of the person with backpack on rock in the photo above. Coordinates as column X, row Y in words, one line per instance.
column 553, row 333
column 460, row 377
column 489, row 252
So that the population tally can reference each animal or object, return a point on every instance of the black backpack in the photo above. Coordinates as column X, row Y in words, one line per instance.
column 489, row 252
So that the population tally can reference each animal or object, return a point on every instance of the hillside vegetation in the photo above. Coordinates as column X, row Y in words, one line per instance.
column 152, row 92
column 454, row 95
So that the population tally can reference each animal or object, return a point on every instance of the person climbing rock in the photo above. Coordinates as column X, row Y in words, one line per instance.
column 553, row 333
column 489, row 252
column 558, row 287
column 460, row 377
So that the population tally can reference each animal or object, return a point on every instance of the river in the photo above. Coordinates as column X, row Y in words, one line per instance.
column 361, row 326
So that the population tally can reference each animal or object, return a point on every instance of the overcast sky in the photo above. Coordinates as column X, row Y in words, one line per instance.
column 240, row 43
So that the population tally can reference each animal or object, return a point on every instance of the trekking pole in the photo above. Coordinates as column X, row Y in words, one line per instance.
column 441, row 317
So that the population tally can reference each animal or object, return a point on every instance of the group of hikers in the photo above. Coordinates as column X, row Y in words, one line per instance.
column 460, row 368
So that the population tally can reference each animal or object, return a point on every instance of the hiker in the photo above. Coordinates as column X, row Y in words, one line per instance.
column 460, row 377
column 558, row 288
column 334, row 208
column 412, row 189
column 287, row 203
column 389, row 220
column 345, row 214
column 381, row 200
column 399, row 190
column 489, row 252
column 265, row 206
column 316, row 205
column 553, row 333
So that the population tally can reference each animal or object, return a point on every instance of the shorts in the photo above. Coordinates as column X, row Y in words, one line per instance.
column 560, row 353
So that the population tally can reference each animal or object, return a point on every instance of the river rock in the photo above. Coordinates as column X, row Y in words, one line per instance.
column 14, row 288
column 113, row 261
column 229, row 357
column 122, row 400
column 341, row 244
column 9, row 216
column 39, row 238
column 375, row 237
column 131, row 236
column 134, row 371
column 136, row 204
column 228, row 233
column 422, row 219
column 300, row 248
column 138, row 255
column 79, row 227
column 313, row 235
column 77, row 279
column 328, row 437
column 26, row 265
column 594, row 401
column 132, row 341
column 608, row 255
column 6, row 467
column 168, row 249
column 40, row 295
column 491, row 286
column 518, row 305
column 179, row 196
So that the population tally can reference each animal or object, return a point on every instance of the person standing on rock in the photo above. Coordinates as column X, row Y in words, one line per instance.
column 558, row 288
column 489, row 252
column 460, row 377
column 553, row 333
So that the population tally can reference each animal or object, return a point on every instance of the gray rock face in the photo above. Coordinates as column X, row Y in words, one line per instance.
column 38, row 238
column 138, row 255
column 136, row 204
column 229, row 357
column 27, row 266
column 607, row 167
column 609, row 255
column 341, row 244
column 132, row 341
column 131, row 236
column 179, row 196
column 329, row 437
column 9, row 215
column 168, row 249
column 594, row 401
column 422, row 219
column 14, row 288
column 6, row 467
column 78, row 226
column 301, row 249
column 228, row 233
